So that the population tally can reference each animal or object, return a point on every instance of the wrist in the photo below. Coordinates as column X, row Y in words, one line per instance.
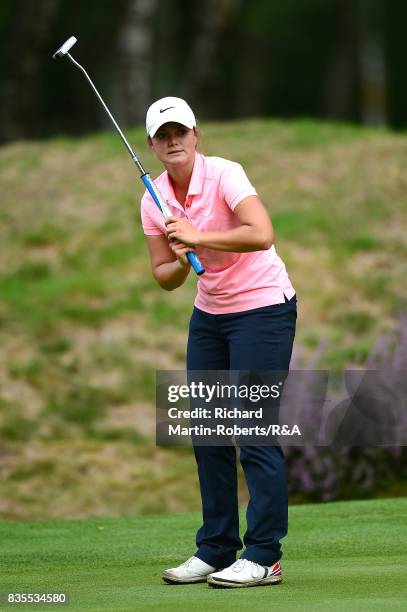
column 198, row 239
column 183, row 265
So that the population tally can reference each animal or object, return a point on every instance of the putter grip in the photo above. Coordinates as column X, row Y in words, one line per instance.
column 195, row 263
column 162, row 205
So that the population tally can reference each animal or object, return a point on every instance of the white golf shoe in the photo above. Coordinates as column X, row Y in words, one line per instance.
column 245, row 573
column 192, row 570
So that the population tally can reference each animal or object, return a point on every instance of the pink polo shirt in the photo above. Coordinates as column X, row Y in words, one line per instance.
column 232, row 282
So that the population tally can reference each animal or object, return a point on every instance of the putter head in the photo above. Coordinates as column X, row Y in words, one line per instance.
column 63, row 50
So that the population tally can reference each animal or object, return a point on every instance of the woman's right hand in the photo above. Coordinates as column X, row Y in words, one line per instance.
column 180, row 250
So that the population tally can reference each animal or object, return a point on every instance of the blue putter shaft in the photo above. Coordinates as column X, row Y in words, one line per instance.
column 162, row 205
column 145, row 177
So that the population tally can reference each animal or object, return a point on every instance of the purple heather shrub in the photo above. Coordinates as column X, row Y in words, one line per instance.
column 324, row 473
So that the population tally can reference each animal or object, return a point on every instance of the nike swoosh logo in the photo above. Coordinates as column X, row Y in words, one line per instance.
column 162, row 110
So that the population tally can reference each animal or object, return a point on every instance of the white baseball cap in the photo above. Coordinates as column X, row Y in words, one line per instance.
column 166, row 110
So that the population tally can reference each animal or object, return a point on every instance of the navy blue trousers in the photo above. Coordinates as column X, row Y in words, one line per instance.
column 258, row 339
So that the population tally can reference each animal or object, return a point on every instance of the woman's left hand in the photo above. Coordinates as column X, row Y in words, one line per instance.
column 182, row 230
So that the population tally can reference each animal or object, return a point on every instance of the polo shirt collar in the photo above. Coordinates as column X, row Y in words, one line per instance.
column 197, row 178
column 195, row 184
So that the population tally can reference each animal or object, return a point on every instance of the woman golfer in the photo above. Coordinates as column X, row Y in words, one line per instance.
column 243, row 319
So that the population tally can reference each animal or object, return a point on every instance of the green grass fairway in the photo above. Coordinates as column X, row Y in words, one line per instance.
column 338, row 556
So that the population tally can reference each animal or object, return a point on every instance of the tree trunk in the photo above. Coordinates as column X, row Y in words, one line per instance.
column 203, row 67
column 135, row 49
column 339, row 98
column 372, row 95
column 20, row 114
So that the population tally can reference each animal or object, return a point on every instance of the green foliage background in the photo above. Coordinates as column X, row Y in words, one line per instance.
column 84, row 326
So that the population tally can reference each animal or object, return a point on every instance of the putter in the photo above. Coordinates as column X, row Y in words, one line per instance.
column 63, row 51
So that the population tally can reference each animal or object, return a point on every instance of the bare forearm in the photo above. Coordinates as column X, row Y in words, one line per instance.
column 242, row 239
column 171, row 275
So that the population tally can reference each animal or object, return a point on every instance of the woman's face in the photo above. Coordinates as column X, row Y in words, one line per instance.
column 174, row 144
